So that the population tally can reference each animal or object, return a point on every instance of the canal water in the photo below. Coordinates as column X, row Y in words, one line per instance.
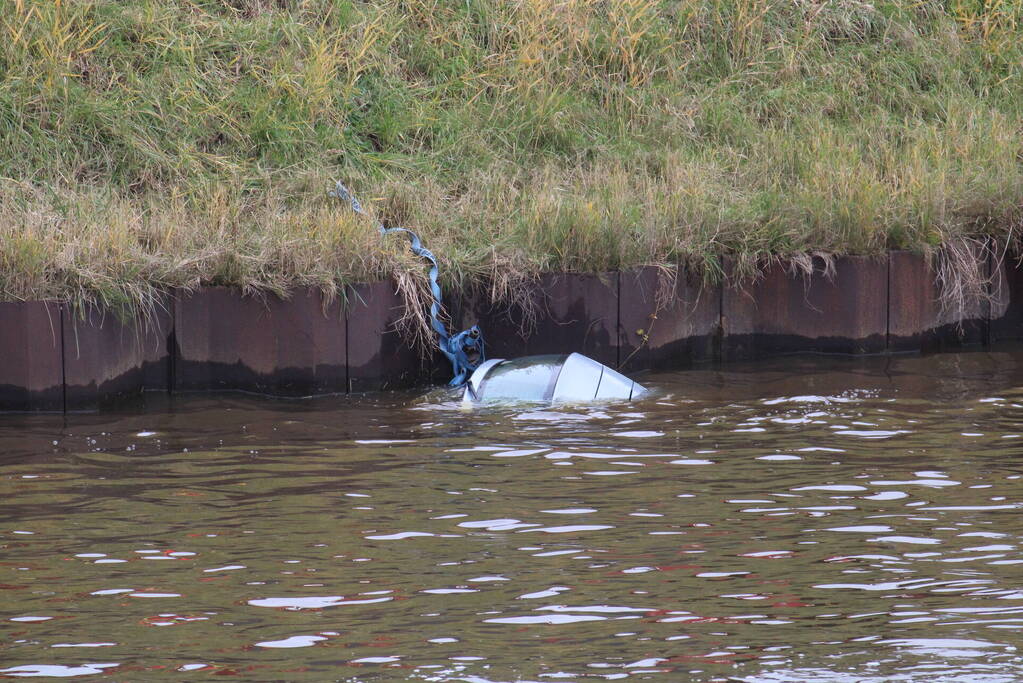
column 806, row 519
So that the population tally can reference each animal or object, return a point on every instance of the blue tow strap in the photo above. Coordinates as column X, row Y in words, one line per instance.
column 456, row 348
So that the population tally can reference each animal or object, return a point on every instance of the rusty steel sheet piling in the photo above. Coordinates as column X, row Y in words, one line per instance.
column 788, row 311
column 577, row 313
column 557, row 313
column 379, row 356
column 108, row 359
column 917, row 320
column 507, row 326
column 31, row 357
column 1006, row 311
column 292, row 347
column 666, row 319
column 215, row 339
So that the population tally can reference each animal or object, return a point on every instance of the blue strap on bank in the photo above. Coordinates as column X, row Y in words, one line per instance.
column 456, row 348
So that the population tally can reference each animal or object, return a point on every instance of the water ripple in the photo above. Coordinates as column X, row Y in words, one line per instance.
column 809, row 519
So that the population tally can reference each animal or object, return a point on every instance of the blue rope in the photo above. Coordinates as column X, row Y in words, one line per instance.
column 456, row 348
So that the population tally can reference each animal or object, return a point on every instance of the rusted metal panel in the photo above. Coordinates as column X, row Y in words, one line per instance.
column 31, row 373
column 917, row 321
column 507, row 326
column 556, row 313
column 219, row 339
column 840, row 312
column 913, row 304
column 379, row 355
column 107, row 359
column 577, row 313
column 1006, row 314
column 267, row 345
column 666, row 320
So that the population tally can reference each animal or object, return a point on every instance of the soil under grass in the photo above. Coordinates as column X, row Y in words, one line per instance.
column 154, row 144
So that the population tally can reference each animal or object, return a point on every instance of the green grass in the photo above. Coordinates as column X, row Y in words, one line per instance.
column 153, row 144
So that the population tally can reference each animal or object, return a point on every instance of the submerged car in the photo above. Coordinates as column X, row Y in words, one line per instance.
column 556, row 378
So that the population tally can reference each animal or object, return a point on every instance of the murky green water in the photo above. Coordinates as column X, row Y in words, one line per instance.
column 801, row 520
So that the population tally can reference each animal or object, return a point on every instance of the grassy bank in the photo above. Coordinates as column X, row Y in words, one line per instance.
column 151, row 144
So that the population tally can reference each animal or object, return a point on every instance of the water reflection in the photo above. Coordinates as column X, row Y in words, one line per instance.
column 802, row 520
